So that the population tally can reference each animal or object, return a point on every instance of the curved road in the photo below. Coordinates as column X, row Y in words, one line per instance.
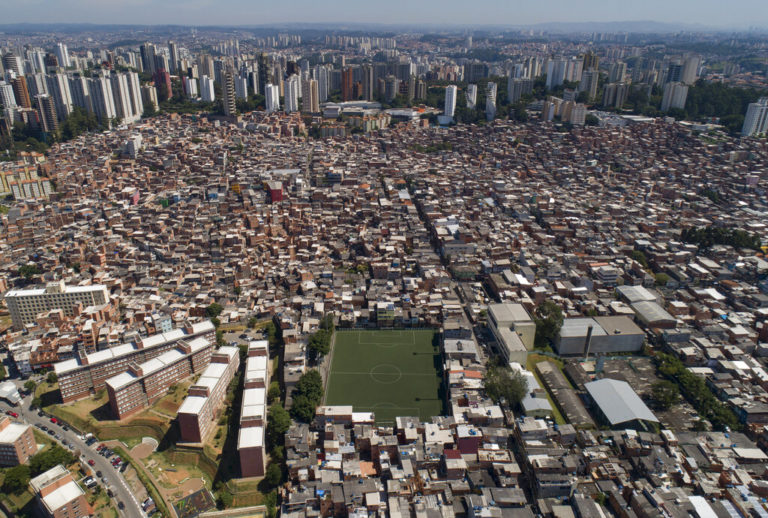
column 114, row 477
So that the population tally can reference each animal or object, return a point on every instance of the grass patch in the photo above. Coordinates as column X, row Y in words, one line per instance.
column 391, row 373
column 530, row 365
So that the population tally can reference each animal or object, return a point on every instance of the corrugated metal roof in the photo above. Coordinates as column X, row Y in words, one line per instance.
column 618, row 402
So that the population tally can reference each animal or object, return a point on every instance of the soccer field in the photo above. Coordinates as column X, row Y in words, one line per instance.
column 391, row 373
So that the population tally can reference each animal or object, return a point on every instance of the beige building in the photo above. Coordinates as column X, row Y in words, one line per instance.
column 17, row 442
column 58, row 495
column 25, row 305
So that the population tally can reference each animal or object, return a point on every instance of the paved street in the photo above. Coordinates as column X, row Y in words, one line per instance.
column 115, row 479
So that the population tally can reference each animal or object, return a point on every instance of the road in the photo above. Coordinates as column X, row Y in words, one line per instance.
column 114, row 478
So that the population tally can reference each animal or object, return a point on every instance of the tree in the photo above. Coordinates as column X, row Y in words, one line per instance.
column 214, row 310
column 30, row 386
column 52, row 378
column 549, row 319
column 273, row 394
column 302, row 409
column 273, row 476
column 28, row 271
column 49, row 458
column 278, row 422
column 639, row 256
column 253, row 322
column 662, row 279
column 16, row 479
column 319, row 344
column 3, row 372
column 270, row 501
column 665, row 394
column 503, row 382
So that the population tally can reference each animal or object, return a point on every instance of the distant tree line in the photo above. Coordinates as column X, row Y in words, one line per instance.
column 708, row 236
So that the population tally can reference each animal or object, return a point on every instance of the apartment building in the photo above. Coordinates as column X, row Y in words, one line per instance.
column 198, row 413
column 17, row 442
column 251, row 440
column 25, row 305
column 143, row 384
column 85, row 374
column 58, row 495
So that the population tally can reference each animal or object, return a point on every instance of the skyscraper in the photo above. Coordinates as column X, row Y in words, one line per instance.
column 102, row 98
column 516, row 88
column 555, row 72
column 321, row 75
column 228, row 92
column 7, row 99
column 148, row 58
column 756, row 119
column 36, row 84
column 162, row 81
column 690, row 70
column 13, row 63
column 589, row 82
column 46, row 108
column 292, row 94
column 21, row 92
column 347, row 85
column 450, row 101
column 241, row 87
column 310, row 101
column 190, row 87
column 272, row 97
column 207, row 92
column 591, row 61
column 58, row 87
column 134, row 89
column 173, row 61
column 674, row 96
column 615, row 95
column 471, row 96
column 149, row 96
column 81, row 95
column 62, row 54
column 367, row 72
column 490, row 101
column 121, row 98
column 617, row 72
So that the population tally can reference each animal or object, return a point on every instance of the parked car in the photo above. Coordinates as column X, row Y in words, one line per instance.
column 12, row 414
column 91, row 462
column 54, row 420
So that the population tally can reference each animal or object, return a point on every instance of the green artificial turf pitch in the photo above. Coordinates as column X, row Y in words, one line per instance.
column 390, row 373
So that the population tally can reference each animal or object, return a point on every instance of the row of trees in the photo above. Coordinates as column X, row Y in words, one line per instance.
column 695, row 390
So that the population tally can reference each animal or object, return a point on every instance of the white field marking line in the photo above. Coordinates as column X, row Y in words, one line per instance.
column 383, row 373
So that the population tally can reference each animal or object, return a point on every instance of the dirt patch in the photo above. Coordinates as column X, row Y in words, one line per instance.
column 192, row 485
column 176, row 476
column 141, row 451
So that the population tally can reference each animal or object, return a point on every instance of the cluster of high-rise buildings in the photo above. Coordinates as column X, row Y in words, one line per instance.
column 42, row 89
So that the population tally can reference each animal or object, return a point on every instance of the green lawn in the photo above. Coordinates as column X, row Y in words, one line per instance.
column 390, row 373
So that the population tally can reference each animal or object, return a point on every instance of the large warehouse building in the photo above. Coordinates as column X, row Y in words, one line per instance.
column 618, row 405
column 600, row 335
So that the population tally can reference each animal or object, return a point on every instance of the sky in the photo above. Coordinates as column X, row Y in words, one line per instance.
column 714, row 13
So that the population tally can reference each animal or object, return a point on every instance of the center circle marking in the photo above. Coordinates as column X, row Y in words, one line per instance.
column 384, row 372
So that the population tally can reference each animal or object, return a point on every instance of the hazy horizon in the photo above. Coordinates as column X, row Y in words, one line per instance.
column 735, row 15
